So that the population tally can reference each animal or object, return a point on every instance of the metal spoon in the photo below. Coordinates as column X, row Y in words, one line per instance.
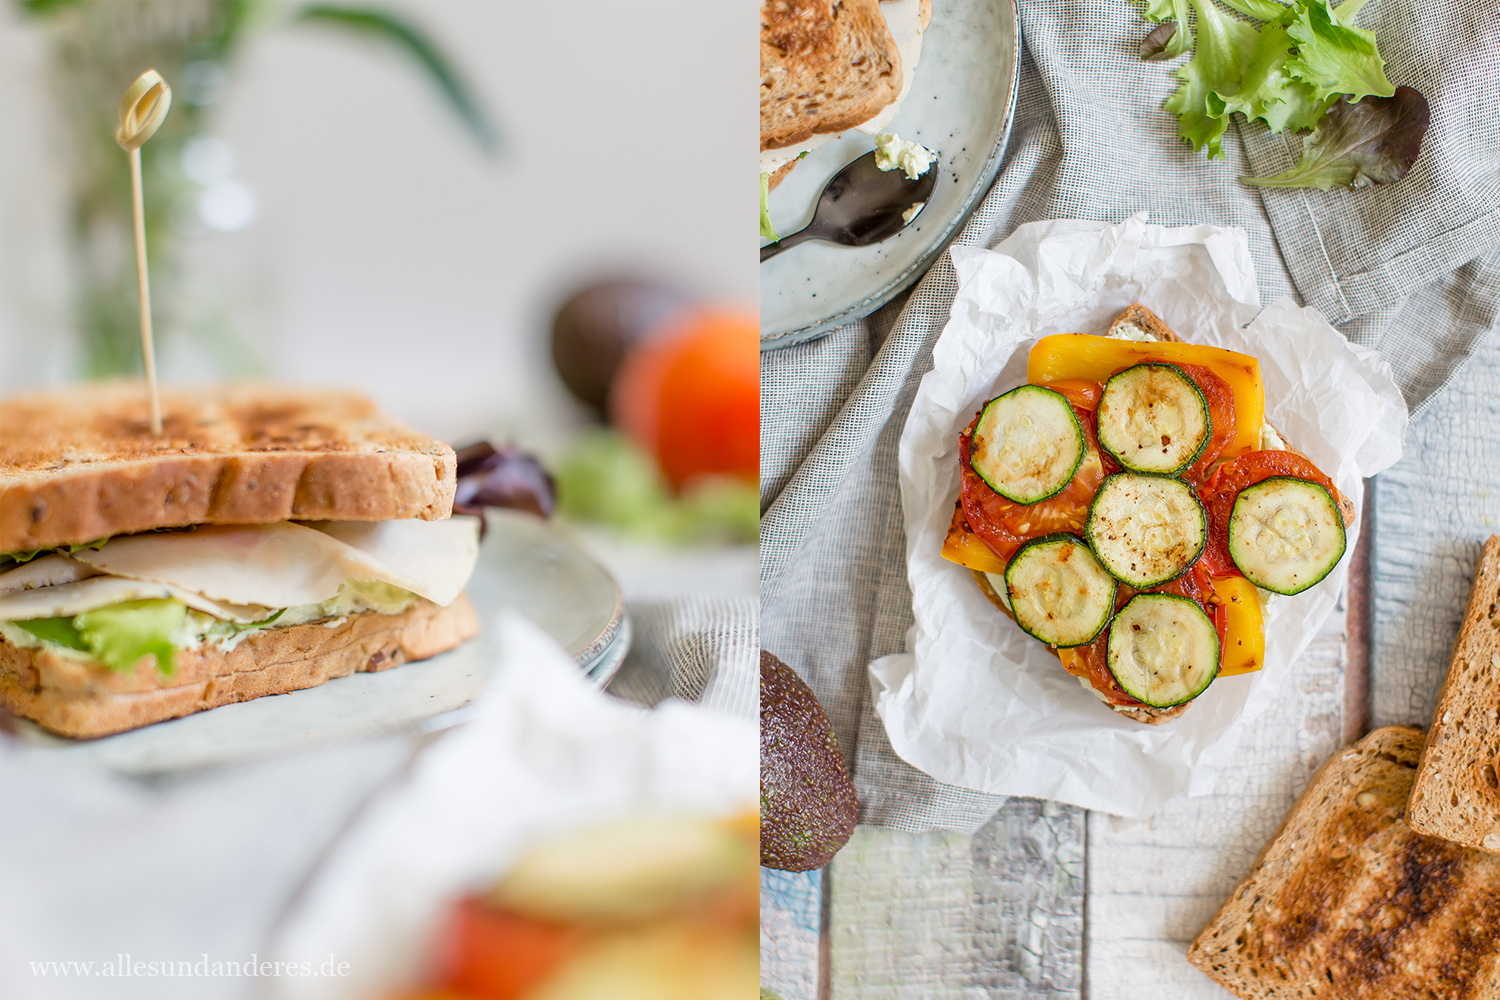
column 860, row 206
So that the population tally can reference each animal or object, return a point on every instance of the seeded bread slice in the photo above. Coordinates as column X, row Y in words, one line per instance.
column 825, row 66
column 1347, row 902
column 80, row 464
column 73, row 696
column 1457, row 791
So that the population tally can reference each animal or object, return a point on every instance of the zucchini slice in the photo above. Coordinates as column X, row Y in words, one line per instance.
column 1154, row 418
column 1285, row 534
column 1163, row 649
column 1146, row 530
column 1058, row 591
column 1027, row 444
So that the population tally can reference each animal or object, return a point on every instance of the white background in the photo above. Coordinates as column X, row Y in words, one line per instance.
column 387, row 253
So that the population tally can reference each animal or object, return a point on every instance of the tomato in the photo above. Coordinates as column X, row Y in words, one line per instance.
column 1223, row 487
column 1004, row 524
column 691, row 396
column 491, row 954
column 1220, row 411
column 1091, row 662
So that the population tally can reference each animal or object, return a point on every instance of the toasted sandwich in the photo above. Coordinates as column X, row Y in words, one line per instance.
column 269, row 540
column 1457, row 791
column 1347, row 900
column 827, row 66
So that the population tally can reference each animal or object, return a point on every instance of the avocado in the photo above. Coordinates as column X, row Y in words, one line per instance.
column 598, row 325
column 807, row 802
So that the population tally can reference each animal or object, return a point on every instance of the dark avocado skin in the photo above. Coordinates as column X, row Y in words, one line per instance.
column 807, row 802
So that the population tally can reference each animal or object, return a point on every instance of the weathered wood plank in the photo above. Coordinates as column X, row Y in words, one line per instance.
column 791, row 924
column 943, row 916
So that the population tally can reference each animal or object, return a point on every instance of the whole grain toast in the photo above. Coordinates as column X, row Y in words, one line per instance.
column 825, row 66
column 80, row 464
column 1348, row 902
column 1457, row 791
column 81, row 698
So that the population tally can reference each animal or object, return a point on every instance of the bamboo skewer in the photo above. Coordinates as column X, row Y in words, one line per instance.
column 142, row 111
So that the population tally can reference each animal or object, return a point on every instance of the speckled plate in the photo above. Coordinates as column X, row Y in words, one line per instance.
column 960, row 105
column 524, row 563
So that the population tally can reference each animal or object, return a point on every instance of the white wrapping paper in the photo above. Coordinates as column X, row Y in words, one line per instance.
column 975, row 701
column 545, row 752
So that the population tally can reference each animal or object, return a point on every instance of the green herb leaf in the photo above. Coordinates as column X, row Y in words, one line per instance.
column 1334, row 57
column 408, row 38
column 121, row 634
column 1372, row 141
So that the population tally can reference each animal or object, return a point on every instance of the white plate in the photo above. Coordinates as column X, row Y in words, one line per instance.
column 960, row 106
column 524, row 564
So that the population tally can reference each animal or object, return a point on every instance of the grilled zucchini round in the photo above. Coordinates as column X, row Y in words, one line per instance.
column 1286, row 534
column 1163, row 649
column 1027, row 444
column 1146, row 530
column 1154, row 418
column 1058, row 591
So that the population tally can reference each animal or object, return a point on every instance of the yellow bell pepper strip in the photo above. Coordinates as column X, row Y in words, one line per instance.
column 1245, row 639
column 968, row 549
column 1095, row 359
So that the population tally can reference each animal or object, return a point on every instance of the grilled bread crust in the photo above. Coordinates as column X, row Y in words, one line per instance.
column 825, row 66
column 80, row 698
column 1457, row 792
column 80, row 464
column 1347, row 902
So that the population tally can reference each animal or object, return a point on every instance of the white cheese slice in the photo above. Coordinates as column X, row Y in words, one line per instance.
column 48, row 571
column 66, row 600
column 287, row 565
column 432, row 559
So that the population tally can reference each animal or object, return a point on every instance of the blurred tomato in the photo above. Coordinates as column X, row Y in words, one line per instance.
column 691, row 396
column 490, row 954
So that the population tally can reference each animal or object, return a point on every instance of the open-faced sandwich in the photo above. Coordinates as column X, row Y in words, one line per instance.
column 268, row 540
column 1130, row 505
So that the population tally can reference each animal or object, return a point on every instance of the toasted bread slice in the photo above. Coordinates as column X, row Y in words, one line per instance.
column 80, row 464
column 825, row 66
column 1347, row 902
column 1457, row 792
column 779, row 174
column 77, row 697
column 1137, row 319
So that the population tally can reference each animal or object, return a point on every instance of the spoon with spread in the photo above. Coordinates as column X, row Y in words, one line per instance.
column 861, row 205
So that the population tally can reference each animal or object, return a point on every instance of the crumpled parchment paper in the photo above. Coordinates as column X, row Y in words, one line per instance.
column 544, row 753
column 975, row 701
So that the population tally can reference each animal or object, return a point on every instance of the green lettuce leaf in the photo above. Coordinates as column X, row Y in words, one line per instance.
column 767, row 231
column 1217, row 67
column 1334, row 57
column 1267, row 92
column 119, row 635
column 1359, row 143
column 1175, row 43
column 58, row 630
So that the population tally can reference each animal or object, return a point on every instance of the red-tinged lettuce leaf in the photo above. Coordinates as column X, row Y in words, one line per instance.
column 1217, row 67
column 1359, row 143
column 1173, row 41
column 1334, row 57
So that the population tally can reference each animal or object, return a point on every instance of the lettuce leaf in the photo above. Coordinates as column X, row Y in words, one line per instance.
column 119, row 635
column 1359, row 143
column 1217, row 67
column 1334, row 57
column 1168, row 44
column 767, row 231
column 58, row 630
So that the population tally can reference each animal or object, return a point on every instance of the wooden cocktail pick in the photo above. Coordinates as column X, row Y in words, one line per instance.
column 142, row 111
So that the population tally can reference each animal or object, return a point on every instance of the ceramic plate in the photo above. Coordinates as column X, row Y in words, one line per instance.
column 524, row 563
column 960, row 105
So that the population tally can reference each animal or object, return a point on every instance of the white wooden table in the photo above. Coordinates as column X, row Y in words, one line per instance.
column 1049, row 901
